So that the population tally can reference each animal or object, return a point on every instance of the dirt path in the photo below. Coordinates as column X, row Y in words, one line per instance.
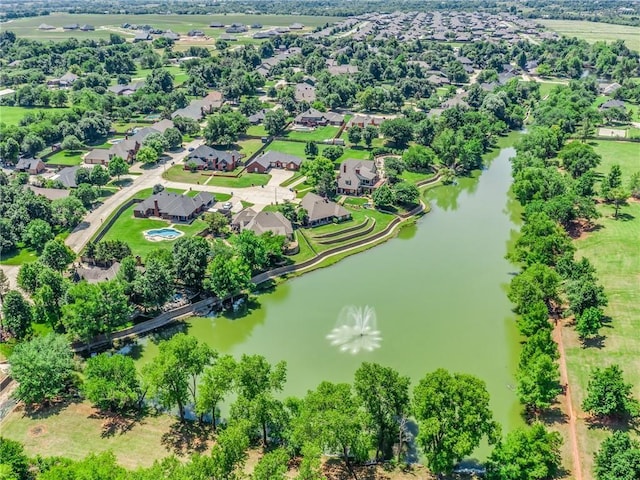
column 564, row 379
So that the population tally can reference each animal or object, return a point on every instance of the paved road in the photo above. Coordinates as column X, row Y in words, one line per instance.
column 260, row 196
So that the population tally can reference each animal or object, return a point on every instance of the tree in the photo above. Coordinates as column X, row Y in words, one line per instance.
column 369, row 134
column 272, row 466
column 311, row 149
column 230, row 451
column 578, row 158
column 397, row 130
column 17, row 315
column 275, row 121
column 217, row 382
column 225, row 128
column 155, row 286
column 618, row 458
column 191, row 256
column 608, row 395
column 218, row 223
column 71, row 142
column 393, row 168
column 37, row 234
column 383, row 197
column 453, row 416
column 385, row 396
column 589, row 322
column 172, row 375
column 11, row 150
column 4, row 285
column 541, row 241
column 147, row 155
column 13, row 456
column 158, row 142
column 99, row 176
column 173, row 138
column 330, row 417
column 612, row 180
column 538, row 382
column 256, row 382
column 318, row 170
column 43, row 368
column 32, row 144
column 111, row 382
column 406, row 193
column 67, row 212
column 228, row 276
column 86, row 193
column 418, row 158
column 56, row 255
column 333, row 152
column 618, row 196
column 536, row 283
column 94, row 308
column 526, row 454
column 355, row 134
column 583, row 293
column 118, row 166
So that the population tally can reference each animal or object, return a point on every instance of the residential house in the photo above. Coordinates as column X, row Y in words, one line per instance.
column 609, row 88
column 304, row 92
column 128, row 89
column 142, row 36
column 96, row 273
column 256, row 26
column 163, row 125
column 197, row 109
column 73, row 26
column 322, row 210
column 206, row 158
column 314, row 118
column 237, row 28
column 438, row 80
column 87, row 28
column 44, row 26
column 342, row 69
column 358, row 177
column 195, row 33
column 296, row 26
column 169, row 35
column 32, row 166
column 612, row 104
column 126, row 149
column 258, row 117
column 50, row 193
column 262, row 222
column 64, row 81
column 216, row 25
column 174, row 207
column 67, row 176
column 365, row 120
column 273, row 159
column 228, row 38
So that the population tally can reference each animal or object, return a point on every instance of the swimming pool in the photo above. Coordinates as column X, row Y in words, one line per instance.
column 159, row 234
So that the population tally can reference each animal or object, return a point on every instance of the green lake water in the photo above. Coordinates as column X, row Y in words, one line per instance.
column 438, row 291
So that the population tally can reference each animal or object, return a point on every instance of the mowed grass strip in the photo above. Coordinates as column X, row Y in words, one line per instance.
column 13, row 115
column 66, row 157
column 596, row 32
column 625, row 154
column 76, row 430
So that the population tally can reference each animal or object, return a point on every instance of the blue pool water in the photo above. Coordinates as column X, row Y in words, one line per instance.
column 164, row 233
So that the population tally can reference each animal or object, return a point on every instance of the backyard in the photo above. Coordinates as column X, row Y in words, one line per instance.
column 318, row 134
column 66, row 157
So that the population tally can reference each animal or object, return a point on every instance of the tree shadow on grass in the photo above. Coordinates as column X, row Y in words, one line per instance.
column 596, row 341
column 186, row 438
column 551, row 416
column 123, row 182
column 116, row 424
column 615, row 424
column 43, row 411
column 625, row 217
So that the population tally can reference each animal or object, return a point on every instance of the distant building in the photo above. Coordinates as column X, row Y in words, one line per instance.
column 273, row 159
column 44, row 26
column 206, row 158
column 314, row 118
column 322, row 210
column 142, row 36
column 73, row 26
column 262, row 222
column 32, row 166
column 128, row 89
column 304, row 92
column 50, row 193
column 357, row 177
column 87, row 28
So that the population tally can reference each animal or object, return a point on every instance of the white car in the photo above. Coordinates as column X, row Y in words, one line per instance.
column 227, row 205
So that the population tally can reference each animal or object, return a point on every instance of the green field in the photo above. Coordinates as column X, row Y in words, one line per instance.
column 243, row 181
column 65, row 157
column 106, row 24
column 317, row 135
column 593, row 32
column 13, row 115
column 297, row 148
column 177, row 173
column 179, row 74
column 625, row 154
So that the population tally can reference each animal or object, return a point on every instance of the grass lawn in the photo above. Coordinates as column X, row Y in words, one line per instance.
column 625, row 154
column 359, row 152
column 291, row 148
column 317, row 135
column 257, row 131
column 546, row 88
column 289, row 181
column 13, row 115
column 415, row 177
column 177, row 173
column 19, row 256
column 131, row 229
column 613, row 251
column 594, row 32
column 66, row 157
column 76, row 430
column 249, row 146
column 246, row 180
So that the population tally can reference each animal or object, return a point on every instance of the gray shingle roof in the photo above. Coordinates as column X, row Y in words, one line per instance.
column 319, row 208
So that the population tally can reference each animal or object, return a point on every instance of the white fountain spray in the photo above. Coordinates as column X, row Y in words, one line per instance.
column 356, row 330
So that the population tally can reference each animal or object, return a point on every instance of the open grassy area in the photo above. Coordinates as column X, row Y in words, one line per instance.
column 179, row 74
column 594, row 32
column 257, row 131
column 18, row 257
column 177, row 173
column 318, row 134
column 66, row 157
column 625, row 154
column 249, row 146
column 76, row 430
column 106, row 24
column 291, row 148
column 243, row 181
column 131, row 229
column 13, row 115
column 415, row 177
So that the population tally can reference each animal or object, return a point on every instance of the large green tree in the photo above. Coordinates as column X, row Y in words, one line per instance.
column 112, row 383
column 608, row 395
column 453, row 416
column 191, row 256
column 17, row 313
column 385, row 396
column 618, row 458
column 530, row 453
column 43, row 368
column 56, row 255
column 216, row 383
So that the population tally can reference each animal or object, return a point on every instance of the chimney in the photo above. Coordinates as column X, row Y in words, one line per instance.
column 344, row 168
column 357, row 171
column 156, row 209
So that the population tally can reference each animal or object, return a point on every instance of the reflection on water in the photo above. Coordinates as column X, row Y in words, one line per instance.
column 356, row 330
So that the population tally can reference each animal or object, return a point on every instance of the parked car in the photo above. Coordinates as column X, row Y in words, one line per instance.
column 227, row 205
column 191, row 149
